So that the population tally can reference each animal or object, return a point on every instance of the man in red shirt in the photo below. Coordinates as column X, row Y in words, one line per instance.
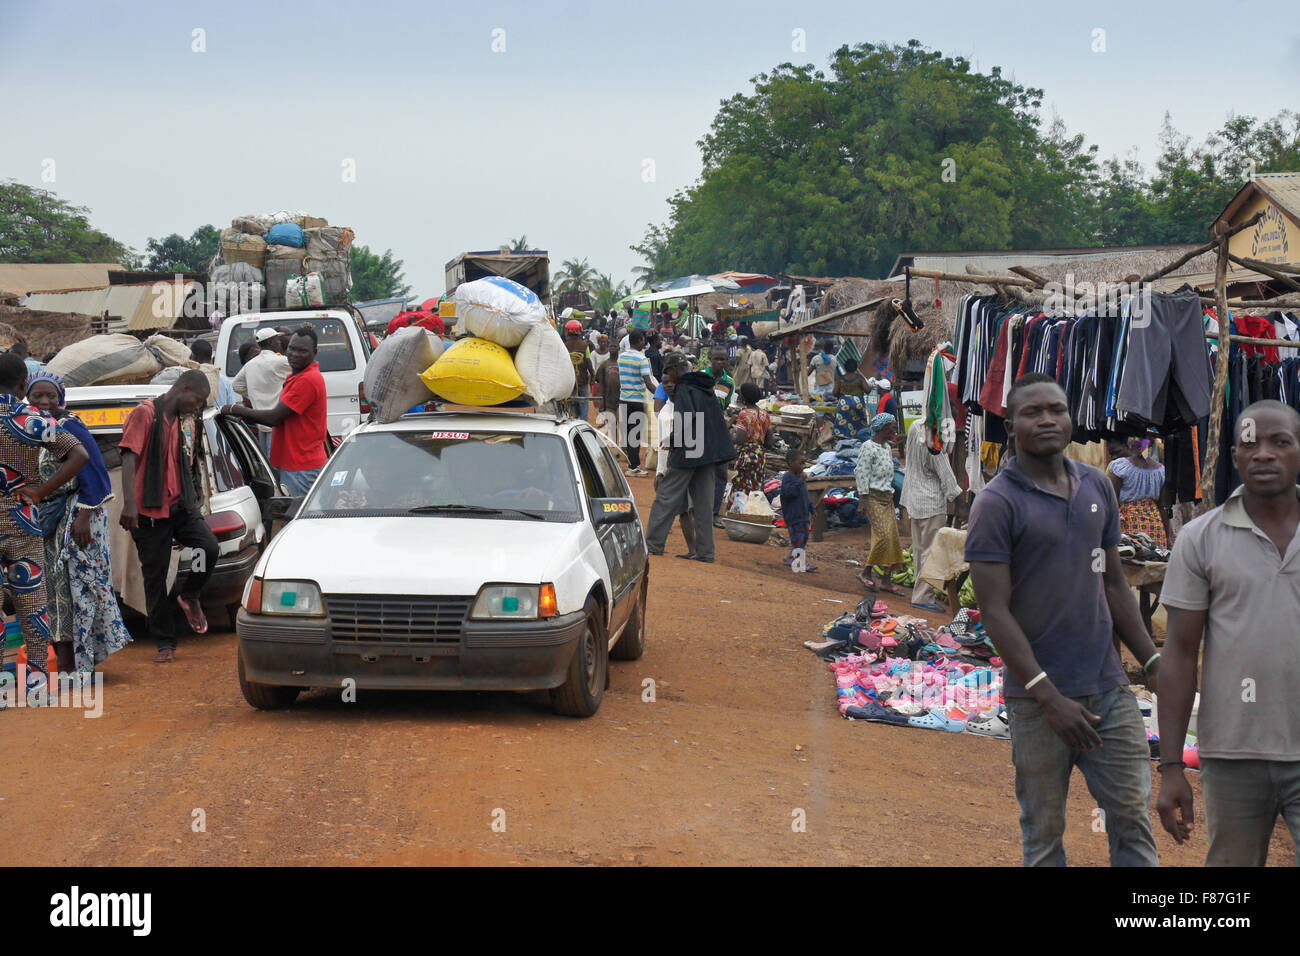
column 299, row 423
column 160, row 503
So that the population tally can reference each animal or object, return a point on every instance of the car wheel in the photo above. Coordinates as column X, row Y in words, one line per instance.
column 584, row 686
column 631, row 643
column 265, row 696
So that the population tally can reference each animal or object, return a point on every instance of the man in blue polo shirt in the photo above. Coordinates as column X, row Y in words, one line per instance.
column 1042, row 549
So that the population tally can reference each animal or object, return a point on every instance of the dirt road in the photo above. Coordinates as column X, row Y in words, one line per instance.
column 740, row 743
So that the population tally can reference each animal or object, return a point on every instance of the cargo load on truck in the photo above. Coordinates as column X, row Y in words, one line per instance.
column 300, row 260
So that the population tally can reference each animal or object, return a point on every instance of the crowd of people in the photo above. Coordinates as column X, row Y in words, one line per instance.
column 56, row 541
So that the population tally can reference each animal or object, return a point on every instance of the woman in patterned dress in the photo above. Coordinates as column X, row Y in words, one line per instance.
column 752, row 435
column 85, row 620
column 1138, row 481
column 875, row 479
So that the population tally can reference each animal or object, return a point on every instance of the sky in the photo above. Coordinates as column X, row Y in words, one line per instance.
column 436, row 128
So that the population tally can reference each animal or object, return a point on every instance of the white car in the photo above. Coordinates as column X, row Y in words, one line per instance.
column 486, row 550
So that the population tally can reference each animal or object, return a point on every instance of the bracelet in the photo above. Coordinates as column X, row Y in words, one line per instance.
column 1147, row 666
column 1041, row 675
column 1171, row 763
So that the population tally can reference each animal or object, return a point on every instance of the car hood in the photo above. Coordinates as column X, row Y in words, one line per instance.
column 420, row 554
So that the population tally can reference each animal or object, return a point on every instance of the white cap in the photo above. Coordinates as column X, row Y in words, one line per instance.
column 871, row 382
column 261, row 335
column 883, row 384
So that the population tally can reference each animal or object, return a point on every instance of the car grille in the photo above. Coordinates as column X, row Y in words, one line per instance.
column 397, row 620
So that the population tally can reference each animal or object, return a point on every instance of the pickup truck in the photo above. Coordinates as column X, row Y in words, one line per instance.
column 343, row 348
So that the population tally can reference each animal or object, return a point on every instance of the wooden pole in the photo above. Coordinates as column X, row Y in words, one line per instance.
column 1218, row 397
column 1257, row 264
column 1281, row 302
column 801, row 351
column 978, row 279
column 1268, row 270
column 1192, row 254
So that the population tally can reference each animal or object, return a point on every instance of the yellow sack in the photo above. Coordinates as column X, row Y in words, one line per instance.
column 474, row 372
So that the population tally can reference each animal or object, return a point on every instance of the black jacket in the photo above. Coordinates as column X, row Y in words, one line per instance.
column 700, row 434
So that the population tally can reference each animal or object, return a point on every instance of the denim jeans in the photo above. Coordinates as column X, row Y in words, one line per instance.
column 1242, row 801
column 298, row 483
column 1118, row 775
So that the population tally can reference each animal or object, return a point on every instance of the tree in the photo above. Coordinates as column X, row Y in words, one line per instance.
column 605, row 292
column 575, row 275
column 377, row 276
column 900, row 147
column 518, row 245
column 38, row 226
column 175, row 253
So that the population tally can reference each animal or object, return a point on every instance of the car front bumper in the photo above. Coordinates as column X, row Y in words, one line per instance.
column 490, row 655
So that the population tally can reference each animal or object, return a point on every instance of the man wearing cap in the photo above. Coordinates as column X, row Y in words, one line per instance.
column 888, row 404
column 576, row 343
column 260, row 381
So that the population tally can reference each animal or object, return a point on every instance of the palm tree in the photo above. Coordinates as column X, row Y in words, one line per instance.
column 575, row 275
column 606, row 293
column 518, row 245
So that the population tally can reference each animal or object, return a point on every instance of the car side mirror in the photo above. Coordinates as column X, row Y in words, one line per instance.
column 613, row 510
column 282, row 509
column 262, row 487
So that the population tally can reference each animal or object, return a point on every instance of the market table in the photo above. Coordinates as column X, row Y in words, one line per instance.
column 1148, row 579
column 817, row 488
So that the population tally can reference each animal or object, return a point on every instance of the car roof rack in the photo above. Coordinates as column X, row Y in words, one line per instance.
column 559, row 413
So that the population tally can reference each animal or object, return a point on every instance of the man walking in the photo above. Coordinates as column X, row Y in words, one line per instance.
column 928, row 486
column 299, row 421
column 724, row 386
column 261, row 378
column 1042, row 549
column 635, row 388
column 161, row 503
column 700, row 441
column 1234, row 580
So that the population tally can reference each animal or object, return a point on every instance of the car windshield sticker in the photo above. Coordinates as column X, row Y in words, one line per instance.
column 451, row 436
column 339, row 478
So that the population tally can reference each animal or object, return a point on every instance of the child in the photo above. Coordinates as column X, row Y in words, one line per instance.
column 796, row 509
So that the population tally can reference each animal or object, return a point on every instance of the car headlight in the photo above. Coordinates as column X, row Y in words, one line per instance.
column 519, row 602
column 301, row 598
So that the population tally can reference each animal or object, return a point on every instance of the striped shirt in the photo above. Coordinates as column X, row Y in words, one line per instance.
column 633, row 366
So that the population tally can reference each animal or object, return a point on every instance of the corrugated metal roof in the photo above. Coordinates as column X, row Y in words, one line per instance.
column 133, row 304
column 44, row 276
column 1282, row 189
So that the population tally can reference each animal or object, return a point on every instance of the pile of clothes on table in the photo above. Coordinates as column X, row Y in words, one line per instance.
column 842, row 460
column 897, row 670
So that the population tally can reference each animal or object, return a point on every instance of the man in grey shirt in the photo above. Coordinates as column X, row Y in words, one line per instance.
column 1234, row 581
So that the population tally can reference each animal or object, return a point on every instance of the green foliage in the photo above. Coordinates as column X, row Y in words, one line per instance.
column 376, row 276
column 899, row 148
column 606, row 292
column 38, row 226
column 517, row 245
column 175, row 253
column 575, row 275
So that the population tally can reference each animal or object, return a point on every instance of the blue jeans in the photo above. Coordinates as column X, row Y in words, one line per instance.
column 264, row 439
column 1242, row 801
column 1118, row 776
column 298, row 483
column 578, row 408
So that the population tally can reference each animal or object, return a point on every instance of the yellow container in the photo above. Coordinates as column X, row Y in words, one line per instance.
column 474, row 372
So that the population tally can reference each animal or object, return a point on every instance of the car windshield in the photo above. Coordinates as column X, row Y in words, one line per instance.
column 508, row 475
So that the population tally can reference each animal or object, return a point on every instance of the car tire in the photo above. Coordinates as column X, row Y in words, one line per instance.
column 584, row 685
column 265, row 696
column 631, row 643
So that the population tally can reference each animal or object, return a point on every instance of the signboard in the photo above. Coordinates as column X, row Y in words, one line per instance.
column 1275, row 238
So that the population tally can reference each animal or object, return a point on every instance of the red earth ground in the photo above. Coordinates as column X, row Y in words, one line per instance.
column 740, row 742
